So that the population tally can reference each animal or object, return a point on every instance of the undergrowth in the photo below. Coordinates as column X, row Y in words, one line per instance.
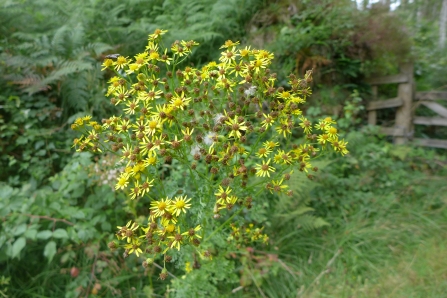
column 387, row 210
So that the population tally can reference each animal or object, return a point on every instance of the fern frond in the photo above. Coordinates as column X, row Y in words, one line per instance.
column 309, row 222
column 295, row 210
column 58, row 40
column 77, row 36
column 97, row 48
column 62, row 70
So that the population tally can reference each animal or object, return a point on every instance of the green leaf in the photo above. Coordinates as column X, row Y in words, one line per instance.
column 50, row 250
column 17, row 247
column 106, row 226
column 60, row 233
column 30, row 234
column 44, row 235
column 6, row 192
column 78, row 214
column 20, row 229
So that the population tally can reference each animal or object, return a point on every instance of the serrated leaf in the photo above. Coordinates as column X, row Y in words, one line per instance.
column 17, row 247
column 44, row 235
column 60, row 233
column 50, row 250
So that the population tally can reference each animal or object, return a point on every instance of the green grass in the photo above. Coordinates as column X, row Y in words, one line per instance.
column 392, row 246
column 402, row 254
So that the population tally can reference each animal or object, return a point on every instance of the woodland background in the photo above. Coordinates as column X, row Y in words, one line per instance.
column 382, row 208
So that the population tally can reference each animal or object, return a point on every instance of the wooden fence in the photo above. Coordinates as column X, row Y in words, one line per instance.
column 406, row 102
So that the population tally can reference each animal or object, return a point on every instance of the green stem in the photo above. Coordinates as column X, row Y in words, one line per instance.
column 223, row 225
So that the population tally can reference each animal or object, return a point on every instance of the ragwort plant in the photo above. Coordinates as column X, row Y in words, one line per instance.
column 224, row 127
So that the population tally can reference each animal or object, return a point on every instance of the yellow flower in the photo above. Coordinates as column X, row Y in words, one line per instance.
column 222, row 194
column 331, row 132
column 321, row 125
column 188, row 267
column 277, row 186
column 160, row 207
column 168, row 219
column 323, row 139
column 123, row 126
column 170, row 228
column 283, row 128
column 187, row 133
column 175, row 144
column 306, row 125
column 165, row 58
column 106, row 64
column 134, row 247
column 229, row 44
column 231, row 200
column 121, row 94
column 283, row 157
column 133, row 67
column 263, row 152
column 177, row 239
column 270, row 144
column 131, row 106
column 127, row 231
column 284, row 95
column 141, row 59
column 192, row 233
column 149, row 95
column 235, row 127
column 264, row 169
column 151, row 160
column 158, row 142
column 122, row 181
column 329, row 120
column 157, row 33
column 263, row 54
column 179, row 204
column 153, row 55
column 137, row 168
column 146, row 186
column 153, row 125
column 259, row 64
column 236, row 68
column 136, row 190
column 268, row 121
column 120, row 62
column 305, row 164
column 245, row 52
column 179, row 101
column 228, row 56
column 340, row 146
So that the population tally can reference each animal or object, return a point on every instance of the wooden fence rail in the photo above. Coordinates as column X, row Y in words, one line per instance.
column 406, row 102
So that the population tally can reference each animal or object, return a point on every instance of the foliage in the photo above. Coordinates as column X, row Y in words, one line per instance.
column 51, row 53
column 50, row 63
column 339, row 42
column 385, row 204
column 168, row 140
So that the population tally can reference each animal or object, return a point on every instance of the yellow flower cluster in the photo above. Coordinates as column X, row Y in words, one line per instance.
column 162, row 232
column 248, row 234
column 226, row 124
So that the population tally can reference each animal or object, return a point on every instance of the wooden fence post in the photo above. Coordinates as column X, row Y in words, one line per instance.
column 372, row 114
column 404, row 116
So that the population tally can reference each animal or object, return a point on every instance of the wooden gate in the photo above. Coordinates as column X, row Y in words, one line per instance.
column 406, row 102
